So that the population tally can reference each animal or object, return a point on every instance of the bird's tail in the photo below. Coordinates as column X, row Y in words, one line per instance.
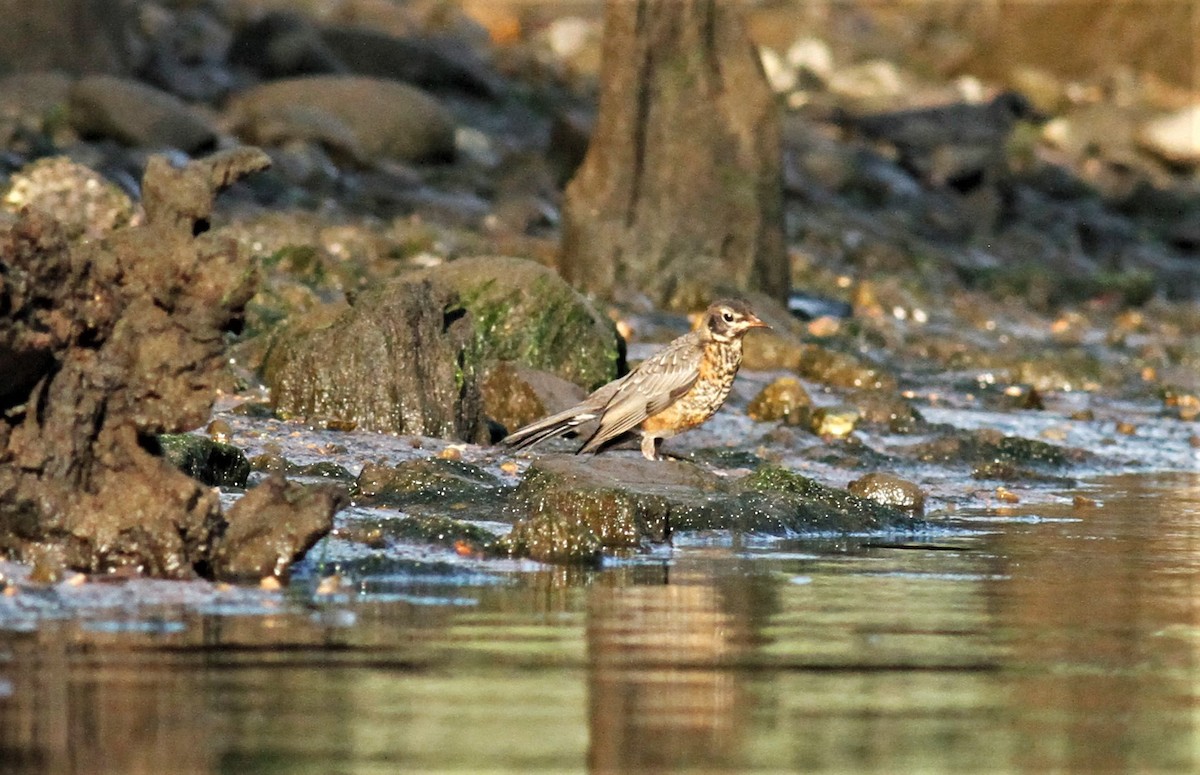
column 554, row 425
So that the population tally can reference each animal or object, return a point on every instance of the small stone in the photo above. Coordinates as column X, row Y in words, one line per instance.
column 451, row 453
column 1083, row 415
column 219, row 431
column 1082, row 502
column 784, row 399
column 270, row 583
column 1005, row 495
column 1194, row 441
column 510, row 468
column 890, row 490
column 1126, row 428
column 834, row 422
column 1175, row 138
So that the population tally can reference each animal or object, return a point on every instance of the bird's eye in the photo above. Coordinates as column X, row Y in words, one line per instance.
column 727, row 316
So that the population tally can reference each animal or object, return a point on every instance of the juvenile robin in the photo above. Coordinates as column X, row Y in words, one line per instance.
column 674, row 390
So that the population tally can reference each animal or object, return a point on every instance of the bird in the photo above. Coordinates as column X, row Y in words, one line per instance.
column 674, row 390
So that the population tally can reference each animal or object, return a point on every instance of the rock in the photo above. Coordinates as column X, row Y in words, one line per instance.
column 431, row 63
column 138, row 115
column 431, row 481
column 205, row 460
column 890, row 490
column 515, row 395
column 838, row 369
column 36, row 100
column 784, row 399
column 886, row 409
column 525, row 313
column 403, row 359
column 782, row 502
column 1174, row 138
column 402, row 122
column 281, row 44
column 949, row 143
column 834, row 422
column 82, row 202
column 75, row 36
column 575, row 507
column 988, row 446
column 122, row 340
column 770, row 350
column 272, row 526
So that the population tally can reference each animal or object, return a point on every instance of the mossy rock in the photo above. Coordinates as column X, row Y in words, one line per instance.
column 576, row 508
column 445, row 484
column 523, row 312
column 211, row 462
column 991, row 447
column 783, row 502
column 403, row 359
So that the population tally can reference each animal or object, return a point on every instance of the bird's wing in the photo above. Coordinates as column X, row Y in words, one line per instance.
column 654, row 385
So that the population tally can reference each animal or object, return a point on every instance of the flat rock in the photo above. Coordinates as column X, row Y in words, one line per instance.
column 135, row 114
column 382, row 119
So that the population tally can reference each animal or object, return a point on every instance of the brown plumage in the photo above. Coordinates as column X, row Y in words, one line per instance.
column 675, row 389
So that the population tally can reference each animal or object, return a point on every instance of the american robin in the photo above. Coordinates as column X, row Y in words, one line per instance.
column 672, row 391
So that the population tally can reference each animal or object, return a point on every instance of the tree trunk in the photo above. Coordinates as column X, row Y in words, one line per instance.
column 680, row 193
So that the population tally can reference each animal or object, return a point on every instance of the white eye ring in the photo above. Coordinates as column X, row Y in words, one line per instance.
column 727, row 316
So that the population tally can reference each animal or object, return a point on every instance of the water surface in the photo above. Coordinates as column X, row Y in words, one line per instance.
column 1059, row 637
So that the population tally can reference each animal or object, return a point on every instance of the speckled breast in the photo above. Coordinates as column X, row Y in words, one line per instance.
column 717, row 371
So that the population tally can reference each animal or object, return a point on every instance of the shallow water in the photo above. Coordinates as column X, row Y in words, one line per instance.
column 1053, row 637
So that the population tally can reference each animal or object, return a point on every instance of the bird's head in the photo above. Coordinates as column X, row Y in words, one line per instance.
column 728, row 319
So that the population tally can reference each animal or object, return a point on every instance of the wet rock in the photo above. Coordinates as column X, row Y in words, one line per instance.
column 526, row 313
column 784, row 399
column 890, row 490
column 838, row 369
column 574, row 507
column 777, row 501
column 47, row 36
column 403, row 122
column 886, row 409
column 515, row 395
column 105, row 343
column 82, row 202
column 1005, row 470
column 430, row 62
column 403, row 359
column 135, row 114
column 205, row 460
column 834, row 422
column 987, row 446
column 271, row 527
column 449, row 484
column 323, row 470
column 436, row 530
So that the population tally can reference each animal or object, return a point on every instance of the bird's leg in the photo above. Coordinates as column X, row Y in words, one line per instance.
column 650, row 446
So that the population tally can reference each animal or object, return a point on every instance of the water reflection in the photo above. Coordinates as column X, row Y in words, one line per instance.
column 661, row 688
column 1064, row 643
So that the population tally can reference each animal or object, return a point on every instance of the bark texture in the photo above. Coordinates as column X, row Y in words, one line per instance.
column 680, row 192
